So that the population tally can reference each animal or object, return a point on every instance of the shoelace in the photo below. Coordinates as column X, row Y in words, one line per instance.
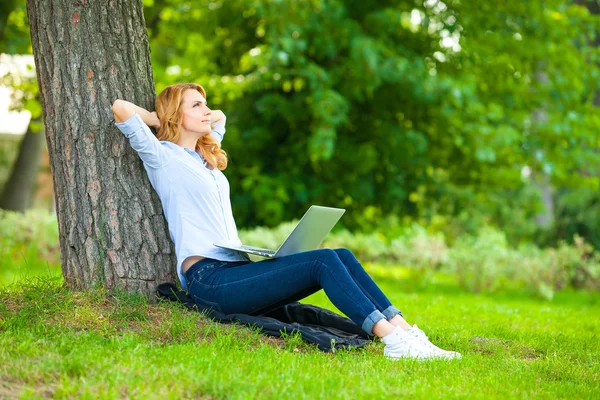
column 424, row 339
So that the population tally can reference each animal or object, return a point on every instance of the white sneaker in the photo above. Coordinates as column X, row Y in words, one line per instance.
column 400, row 344
column 428, row 347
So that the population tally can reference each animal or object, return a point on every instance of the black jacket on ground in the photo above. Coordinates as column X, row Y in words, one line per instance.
column 328, row 330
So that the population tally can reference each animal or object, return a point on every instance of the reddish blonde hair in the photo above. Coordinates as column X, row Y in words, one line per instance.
column 168, row 109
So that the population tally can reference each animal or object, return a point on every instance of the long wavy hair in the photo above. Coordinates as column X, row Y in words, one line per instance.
column 168, row 109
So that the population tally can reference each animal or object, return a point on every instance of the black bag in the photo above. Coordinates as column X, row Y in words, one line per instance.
column 328, row 330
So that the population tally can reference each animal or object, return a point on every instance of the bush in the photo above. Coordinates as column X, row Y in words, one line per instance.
column 420, row 249
column 486, row 262
column 269, row 238
column 483, row 262
column 28, row 242
column 370, row 246
column 480, row 261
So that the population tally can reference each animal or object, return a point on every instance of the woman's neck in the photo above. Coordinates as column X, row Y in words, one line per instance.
column 187, row 142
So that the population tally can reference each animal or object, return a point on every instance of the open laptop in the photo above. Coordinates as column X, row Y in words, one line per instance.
column 306, row 235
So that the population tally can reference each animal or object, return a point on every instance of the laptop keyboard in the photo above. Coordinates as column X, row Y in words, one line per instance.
column 271, row 252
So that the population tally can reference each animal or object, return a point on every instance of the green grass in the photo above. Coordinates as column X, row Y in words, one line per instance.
column 56, row 343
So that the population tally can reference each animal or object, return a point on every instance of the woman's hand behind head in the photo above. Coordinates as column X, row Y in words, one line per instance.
column 154, row 121
column 218, row 116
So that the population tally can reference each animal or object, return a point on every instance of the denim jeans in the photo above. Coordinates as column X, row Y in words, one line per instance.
column 257, row 287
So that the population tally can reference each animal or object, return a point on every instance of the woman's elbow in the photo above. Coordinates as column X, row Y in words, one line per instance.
column 121, row 110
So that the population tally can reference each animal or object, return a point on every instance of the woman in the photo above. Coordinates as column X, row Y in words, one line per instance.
column 184, row 163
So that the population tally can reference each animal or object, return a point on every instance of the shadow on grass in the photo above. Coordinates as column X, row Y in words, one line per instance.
column 44, row 305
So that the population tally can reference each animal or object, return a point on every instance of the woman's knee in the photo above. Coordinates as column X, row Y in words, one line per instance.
column 343, row 253
column 328, row 259
column 347, row 257
column 326, row 254
column 349, row 260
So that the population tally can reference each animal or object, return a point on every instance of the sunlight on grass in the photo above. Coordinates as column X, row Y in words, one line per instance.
column 54, row 342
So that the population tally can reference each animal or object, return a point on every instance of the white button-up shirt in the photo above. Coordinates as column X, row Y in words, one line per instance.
column 195, row 199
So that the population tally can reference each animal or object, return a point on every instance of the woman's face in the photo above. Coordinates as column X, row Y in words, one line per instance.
column 196, row 114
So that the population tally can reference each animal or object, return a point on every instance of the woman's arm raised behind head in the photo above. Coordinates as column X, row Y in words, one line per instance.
column 133, row 121
column 218, row 116
column 123, row 110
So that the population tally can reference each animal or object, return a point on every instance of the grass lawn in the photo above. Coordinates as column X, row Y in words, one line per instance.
column 55, row 343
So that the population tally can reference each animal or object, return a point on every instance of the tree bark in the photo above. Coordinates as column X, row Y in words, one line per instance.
column 110, row 220
column 18, row 192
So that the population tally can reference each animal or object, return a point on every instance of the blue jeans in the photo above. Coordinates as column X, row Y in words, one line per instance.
column 258, row 287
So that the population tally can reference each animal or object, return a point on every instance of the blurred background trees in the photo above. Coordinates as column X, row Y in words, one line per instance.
column 456, row 115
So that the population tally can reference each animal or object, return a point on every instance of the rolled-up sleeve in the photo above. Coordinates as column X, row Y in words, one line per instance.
column 143, row 141
column 218, row 131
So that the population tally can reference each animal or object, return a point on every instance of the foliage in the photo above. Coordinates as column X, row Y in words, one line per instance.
column 14, row 27
column 488, row 263
column 370, row 247
column 578, row 213
column 18, row 74
column 28, row 243
column 416, row 108
column 433, row 111
column 420, row 249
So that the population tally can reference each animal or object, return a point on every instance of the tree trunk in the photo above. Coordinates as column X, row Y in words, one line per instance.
column 110, row 220
column 18, row 191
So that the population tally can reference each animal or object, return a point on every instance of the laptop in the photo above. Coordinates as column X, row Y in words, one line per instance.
column 306, row 235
